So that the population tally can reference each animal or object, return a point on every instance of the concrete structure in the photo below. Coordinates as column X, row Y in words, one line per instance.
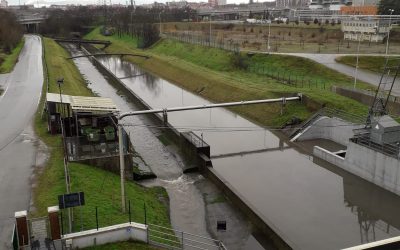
column 365, row 2
column 333, row 129
column 3, row 4
column 115, row 233
column 365, row 30
column 292, row 3
column 366, row 162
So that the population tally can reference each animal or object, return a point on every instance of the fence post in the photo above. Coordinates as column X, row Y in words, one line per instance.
column 183, row 246
column 129, row 209
column 97, row 221
column 145, row 214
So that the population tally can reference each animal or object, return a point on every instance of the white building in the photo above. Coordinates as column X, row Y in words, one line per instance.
column 365, row 30
column 329, row 4
column 3, row 4
column 365, row 2
column 292, row 3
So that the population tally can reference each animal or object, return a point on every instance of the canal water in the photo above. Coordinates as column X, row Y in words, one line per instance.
column 311, row 204
column 187, row 207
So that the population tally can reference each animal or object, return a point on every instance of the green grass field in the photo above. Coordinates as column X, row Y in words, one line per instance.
column 211, row 74
column 372, row 63
column 8, row 61
column 102, row 188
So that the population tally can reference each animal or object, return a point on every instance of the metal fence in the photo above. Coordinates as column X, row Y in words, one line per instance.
column 288, row 78
column 387, row 149
column 175, row 239
column 203, row 40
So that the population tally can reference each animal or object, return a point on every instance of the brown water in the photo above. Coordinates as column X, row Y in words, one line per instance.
column 312, row 205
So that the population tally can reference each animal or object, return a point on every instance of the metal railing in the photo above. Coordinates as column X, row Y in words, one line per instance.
column 175, row 239
column 82, row 147
column 387, row 149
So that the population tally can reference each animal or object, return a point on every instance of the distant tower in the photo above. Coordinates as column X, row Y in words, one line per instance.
column 250, row 1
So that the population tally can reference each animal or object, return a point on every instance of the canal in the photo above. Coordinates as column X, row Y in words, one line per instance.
column 311, row 204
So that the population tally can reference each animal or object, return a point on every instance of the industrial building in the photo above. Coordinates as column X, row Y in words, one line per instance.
column 329, row 4
column 3, row 4
column 365, row 30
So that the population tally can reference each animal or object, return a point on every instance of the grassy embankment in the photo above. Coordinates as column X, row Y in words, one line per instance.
column 210, row 73
column 375, row 64
column 101, row 188
column 8, row 61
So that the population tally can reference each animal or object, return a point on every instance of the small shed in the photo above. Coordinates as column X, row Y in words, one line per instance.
column 385, row 130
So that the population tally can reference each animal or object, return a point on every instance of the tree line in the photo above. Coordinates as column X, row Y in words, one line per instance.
column 11, row 31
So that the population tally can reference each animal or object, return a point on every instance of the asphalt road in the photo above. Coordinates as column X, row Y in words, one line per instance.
column 362, row 75
column 17, row 141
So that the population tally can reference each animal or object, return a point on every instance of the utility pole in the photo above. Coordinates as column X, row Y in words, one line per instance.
column 159, row 16
column 358, row 55
column 210, row 31
column 165, row 111
column 269, row 35
column 388, row 36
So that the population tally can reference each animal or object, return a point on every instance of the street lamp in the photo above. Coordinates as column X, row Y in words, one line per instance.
column 269, row 34
column 388, row 36
column 209, row 42
column 60, row 81
column 159, row 16
column 358, row 55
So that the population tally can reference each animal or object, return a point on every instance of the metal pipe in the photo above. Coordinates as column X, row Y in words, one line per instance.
column 283, row 100
column 122, row 167
column 208, row 106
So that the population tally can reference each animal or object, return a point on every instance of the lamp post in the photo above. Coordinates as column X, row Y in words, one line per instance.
column 269, row 34
column 60, row 81
column 358, row 55
column 209, row 42
column 388, row 36
column 159, row 16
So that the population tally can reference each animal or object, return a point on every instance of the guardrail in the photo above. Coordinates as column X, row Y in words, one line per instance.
column 175, row 239
column 387, row 149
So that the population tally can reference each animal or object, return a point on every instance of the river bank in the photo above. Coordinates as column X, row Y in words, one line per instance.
column 209, row 73
column 166, row 161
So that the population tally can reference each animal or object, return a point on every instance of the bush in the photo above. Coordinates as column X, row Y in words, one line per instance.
column 316, row 21
column 240, row 61
column 296, row 22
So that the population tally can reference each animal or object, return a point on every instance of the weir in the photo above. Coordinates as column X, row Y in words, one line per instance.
column 302, row 200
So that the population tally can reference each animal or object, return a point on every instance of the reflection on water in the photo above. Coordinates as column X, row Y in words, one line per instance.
column 311, row 204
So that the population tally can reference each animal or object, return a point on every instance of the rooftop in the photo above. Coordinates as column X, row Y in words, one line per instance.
column 84, row 104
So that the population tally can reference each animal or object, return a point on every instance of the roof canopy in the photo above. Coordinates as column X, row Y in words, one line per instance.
column 85, row 104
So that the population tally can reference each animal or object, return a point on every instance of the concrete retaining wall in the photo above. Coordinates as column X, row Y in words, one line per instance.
column 121, row 232
column 369, row 164
column 243, row 205
column 333, row 129
column 366, row 98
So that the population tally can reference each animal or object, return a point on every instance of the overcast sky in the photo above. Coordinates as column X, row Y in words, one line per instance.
column 16, row 2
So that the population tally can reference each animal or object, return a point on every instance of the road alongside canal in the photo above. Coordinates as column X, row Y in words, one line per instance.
column 17, row 141
column 362, row 75
column 311, row 204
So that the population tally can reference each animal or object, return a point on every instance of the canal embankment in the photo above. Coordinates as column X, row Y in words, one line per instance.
column 199, row 158
column 212, row 74
column 101, row 187
column 189, row 193
column 285, row 184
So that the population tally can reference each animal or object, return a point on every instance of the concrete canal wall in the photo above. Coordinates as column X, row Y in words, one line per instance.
column 369, row 164
column 333, row 129
column 199, row 157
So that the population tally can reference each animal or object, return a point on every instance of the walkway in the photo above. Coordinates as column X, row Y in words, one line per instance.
column 17, row 145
